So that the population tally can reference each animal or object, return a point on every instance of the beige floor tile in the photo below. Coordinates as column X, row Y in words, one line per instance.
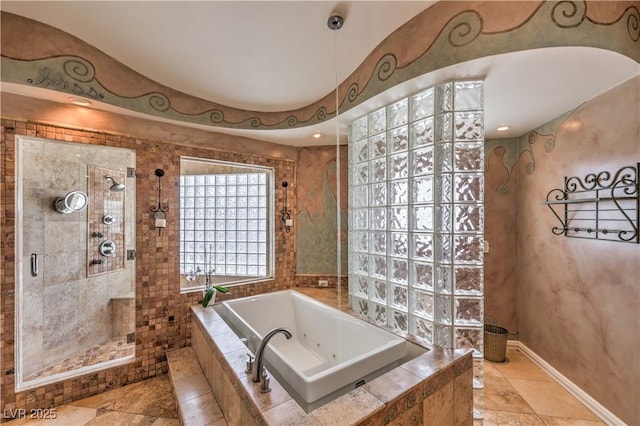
column 490, row 370
column 64, row 415
column 104, row 400
column 161, row 421
column 499, row 394
column 290, row 414
column 201, row 410
column 519, row 366
column 507, row 418
column 75, row 415
column 153, row 397
column 550, row 399
column 191, row 386
column 114, row 418
column 564, row 421
column 183, row 363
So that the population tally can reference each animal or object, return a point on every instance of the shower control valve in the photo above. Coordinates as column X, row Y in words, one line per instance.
column 107, row 248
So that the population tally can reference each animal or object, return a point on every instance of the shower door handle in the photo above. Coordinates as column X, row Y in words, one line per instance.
column 34, row 265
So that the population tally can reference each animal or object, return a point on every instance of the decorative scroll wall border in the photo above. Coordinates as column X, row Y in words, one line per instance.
column 463, row 37
column 514, row 150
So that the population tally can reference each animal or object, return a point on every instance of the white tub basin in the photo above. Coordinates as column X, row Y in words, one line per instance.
column 329, row 350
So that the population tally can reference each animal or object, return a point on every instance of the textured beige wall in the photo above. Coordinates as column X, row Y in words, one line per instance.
column 500, row 264
column 316, row 224
column 578, row 300
column 575, row 302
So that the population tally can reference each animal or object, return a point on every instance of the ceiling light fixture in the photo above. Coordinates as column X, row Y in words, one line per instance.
column 317, row 135
column 80, row 101
column 503, row 128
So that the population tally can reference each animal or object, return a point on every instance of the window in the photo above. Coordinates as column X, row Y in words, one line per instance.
column 225, row 222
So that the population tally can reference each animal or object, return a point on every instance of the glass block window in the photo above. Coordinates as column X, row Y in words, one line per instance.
column 224, row 223
column 416, row 219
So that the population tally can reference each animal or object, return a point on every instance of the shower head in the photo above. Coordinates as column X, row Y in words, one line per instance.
column 116, row 187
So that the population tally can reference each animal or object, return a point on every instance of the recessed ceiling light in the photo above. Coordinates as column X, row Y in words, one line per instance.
column 79, row 101
column 317, row 135
column 503, row 128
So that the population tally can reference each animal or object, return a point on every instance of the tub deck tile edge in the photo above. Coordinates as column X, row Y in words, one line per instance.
column 435, row 370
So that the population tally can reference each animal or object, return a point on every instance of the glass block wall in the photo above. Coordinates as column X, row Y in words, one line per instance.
column 416, row 218
column 223, row 224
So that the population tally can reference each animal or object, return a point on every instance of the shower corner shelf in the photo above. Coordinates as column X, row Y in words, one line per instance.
column 598, row 207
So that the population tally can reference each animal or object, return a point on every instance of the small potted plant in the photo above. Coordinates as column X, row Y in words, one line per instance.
column 210, row 289
column 209, row 293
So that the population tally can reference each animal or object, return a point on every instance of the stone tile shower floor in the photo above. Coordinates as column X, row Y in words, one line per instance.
column 517, row 392
column 113, row 349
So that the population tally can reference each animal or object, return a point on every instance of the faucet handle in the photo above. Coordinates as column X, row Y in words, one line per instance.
column 264, row 382
column 249, row 368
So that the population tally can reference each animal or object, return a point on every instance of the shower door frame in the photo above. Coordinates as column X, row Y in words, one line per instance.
column 22, row 260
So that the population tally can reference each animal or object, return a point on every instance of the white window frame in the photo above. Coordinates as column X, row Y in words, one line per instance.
column 218, row 233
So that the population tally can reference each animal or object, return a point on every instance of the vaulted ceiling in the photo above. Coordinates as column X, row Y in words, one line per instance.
column 279, row 56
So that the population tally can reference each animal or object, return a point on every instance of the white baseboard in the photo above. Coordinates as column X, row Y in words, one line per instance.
column 607, row 416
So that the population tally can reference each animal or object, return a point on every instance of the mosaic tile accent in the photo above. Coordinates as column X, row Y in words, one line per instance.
column 113, row 349
column 163, row 320
column 101, row 197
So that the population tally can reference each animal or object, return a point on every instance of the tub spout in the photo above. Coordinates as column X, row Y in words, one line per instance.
column 257, row 375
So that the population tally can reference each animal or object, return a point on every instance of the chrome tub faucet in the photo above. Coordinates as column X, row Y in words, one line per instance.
column 258, row 373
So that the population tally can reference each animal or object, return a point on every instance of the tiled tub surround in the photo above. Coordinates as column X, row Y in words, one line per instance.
column 435, row 387
column 329, row 351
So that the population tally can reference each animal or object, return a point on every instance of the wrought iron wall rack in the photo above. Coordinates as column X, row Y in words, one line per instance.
column 598, row 206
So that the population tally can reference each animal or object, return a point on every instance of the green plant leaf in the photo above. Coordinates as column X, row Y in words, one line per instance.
column 221, row 289
column 208, row 294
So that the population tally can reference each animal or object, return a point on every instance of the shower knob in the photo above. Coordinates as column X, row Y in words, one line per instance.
column 107, row 248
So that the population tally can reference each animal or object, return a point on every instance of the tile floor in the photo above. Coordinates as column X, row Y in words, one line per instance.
column 146, row 403
column 517, row 392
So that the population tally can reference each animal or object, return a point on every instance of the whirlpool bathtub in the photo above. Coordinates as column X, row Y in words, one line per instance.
column 330, row 350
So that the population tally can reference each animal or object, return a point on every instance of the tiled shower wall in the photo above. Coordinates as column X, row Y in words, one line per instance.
column 65, row 310
column 162, row 313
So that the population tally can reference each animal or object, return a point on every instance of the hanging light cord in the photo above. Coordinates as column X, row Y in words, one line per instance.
column 338, row 192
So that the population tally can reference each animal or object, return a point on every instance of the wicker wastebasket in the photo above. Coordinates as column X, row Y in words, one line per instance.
column 495, row 342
